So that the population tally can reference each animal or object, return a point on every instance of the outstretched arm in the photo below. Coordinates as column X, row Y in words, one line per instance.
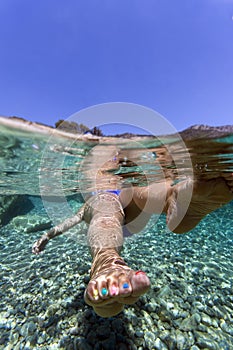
column 39, row 245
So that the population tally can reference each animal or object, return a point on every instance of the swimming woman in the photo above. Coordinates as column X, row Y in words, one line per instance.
column 112, row 283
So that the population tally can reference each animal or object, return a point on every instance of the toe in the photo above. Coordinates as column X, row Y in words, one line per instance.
column 103, row 289
column 125, row 287
column 113, row 289
column 92, row 293
column 140, row 283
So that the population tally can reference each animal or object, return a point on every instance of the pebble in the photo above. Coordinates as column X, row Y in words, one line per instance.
column 203, row 341
column 41, row 338
column 74, row 330
column 159, row 345
column 206, row 320
column 175, row 313
column 4, row 338
column 181, row 342
column 33, row 339
column 147, row 319
column 134, row 320
column 86, row 279
column 152, row 307
column 149, row 338
column 169, row 338
column 165, row 291
column 139, row 333
column 14, row 338
column 190, row 323
column 226, row 328
column 52, row 309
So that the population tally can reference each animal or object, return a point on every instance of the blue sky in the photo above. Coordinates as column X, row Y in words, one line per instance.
column 174, row 56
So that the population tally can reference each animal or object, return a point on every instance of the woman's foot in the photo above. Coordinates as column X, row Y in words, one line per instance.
column 114, row 286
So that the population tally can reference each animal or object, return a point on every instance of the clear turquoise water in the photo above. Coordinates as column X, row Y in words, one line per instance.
column 191, row 299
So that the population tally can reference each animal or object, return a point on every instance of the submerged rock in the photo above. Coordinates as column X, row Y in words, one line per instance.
column 6, row 206
column 149, row 339
column 159, row 345
column 31, row 223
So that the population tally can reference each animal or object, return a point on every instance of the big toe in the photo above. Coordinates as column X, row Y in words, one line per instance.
column 140, row 283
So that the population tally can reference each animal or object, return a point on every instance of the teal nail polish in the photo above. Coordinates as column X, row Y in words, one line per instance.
column 104, row 291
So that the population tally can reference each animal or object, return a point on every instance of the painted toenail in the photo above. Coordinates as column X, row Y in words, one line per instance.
column 125, row 285
column 140, row 271
column 95, row 294
column 114, row 290
column 104, row 291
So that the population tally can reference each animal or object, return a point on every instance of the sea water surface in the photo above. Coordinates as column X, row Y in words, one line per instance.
column 45, row 179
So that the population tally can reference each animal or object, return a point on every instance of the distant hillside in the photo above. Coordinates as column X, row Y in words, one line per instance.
column 193, row 132
column 206, row 131
column 28, row 121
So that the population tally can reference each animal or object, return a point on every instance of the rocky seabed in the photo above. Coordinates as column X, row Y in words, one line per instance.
column 189, row 306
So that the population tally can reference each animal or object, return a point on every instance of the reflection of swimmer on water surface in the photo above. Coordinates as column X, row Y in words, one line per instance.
column 112, row 206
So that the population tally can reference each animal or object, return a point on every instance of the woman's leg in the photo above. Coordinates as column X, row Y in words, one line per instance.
column 185, row 204
column 112, row 283
column 207, row 196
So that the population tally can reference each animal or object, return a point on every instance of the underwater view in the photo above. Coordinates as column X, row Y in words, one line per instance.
column 44, row 180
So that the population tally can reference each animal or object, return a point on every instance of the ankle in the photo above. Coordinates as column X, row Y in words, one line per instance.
column 105, row 259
